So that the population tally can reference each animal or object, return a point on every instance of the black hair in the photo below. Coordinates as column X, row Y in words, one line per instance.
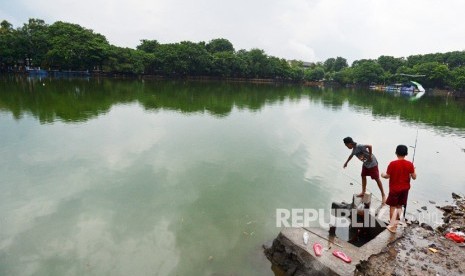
column 401, row 150
column 348, row 140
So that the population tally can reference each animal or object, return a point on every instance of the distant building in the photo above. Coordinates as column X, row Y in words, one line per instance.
column 305, row 64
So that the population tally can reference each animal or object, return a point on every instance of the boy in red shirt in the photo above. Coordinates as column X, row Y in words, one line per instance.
column 399, row 173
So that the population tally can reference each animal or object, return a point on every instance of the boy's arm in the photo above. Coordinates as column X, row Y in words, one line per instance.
column 414, row 174
column 370, row 151
column 386, row 174
column 348, row 159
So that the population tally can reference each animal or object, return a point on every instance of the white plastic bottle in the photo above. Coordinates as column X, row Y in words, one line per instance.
column 305, row 237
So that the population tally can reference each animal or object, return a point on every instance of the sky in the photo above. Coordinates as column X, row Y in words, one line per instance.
column 307, row 30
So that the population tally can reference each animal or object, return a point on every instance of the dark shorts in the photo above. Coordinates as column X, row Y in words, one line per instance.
column 397, row 199
column 372, row 172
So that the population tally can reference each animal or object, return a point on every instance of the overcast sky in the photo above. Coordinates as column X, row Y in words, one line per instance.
column 308, row 30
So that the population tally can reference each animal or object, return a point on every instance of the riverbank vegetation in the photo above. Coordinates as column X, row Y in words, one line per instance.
column 67, row 46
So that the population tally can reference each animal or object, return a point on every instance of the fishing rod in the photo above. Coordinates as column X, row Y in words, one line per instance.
column 335, row 243
column 413, row 160
column 415, row 147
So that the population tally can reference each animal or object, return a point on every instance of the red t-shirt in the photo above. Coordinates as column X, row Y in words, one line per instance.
column 399, row 175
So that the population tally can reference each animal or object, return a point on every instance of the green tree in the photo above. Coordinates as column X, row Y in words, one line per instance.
column 406, row 70
column 196, row 56
column 329, row 64
column 329, row 76
column 315, row 74
column 219, row 45
column 437, row 75
column 398, row 77
column 339, row 64
column 256, row 62
column 455, row 59
column 345, row 76
column 5, row 26
column 296, row 73
column 33, row 41
column 367, row 71
column 390, row 64
column 69, row 46
column 224, row 64
column 7, row 45
column 148, row 46
column 388, row 78
column 457, row 80
column 184, row 59
column 243, row 69
column 74, row 47
column 279, row 68
column 125, row 60
column 420, row 59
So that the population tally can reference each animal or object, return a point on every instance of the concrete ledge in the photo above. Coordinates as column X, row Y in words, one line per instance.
column 290, row 254
column 293, row 257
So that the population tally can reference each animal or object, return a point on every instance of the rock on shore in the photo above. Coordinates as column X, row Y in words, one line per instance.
column 423, row 250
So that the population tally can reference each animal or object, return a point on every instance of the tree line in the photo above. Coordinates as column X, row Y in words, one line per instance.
column 67, row 46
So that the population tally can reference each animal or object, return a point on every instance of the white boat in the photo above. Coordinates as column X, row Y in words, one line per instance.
column 415, row 91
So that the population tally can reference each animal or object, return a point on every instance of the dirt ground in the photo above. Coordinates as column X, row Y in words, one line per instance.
column 423, row 250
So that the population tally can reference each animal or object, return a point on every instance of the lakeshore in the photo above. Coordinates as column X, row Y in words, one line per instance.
column 416, row 249
column 423, row 250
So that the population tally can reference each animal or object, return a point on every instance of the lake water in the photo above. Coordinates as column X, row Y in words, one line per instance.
column 131, row 177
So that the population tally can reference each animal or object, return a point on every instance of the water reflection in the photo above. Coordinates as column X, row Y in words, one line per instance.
column 76, row 100
column 131, row 177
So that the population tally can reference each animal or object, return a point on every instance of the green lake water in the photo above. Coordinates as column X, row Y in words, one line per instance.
column 132, row 177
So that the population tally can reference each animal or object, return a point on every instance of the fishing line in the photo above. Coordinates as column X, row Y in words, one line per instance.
column 459, row 146
column 356, row 181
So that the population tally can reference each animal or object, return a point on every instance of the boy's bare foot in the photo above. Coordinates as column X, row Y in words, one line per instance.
column 360, row 195
column 391, row 229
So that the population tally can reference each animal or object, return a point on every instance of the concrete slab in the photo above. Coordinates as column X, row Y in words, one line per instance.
column 377, row 209
column 328, row 264
column 291, row 253
column 291, row 243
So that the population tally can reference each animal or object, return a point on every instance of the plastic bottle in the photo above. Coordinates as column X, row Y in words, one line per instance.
column 305, row 237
